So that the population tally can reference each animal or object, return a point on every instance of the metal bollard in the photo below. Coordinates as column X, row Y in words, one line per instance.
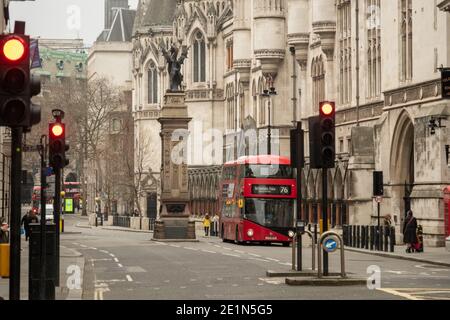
column 392, row 239
column 372, row 237
column 354, row 237
column 344, row 232
column 367, row 237
column 386, row 233
column 363, row 237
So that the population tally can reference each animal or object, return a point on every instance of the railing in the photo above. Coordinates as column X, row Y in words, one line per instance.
column 370, row 237
column 151, row 224
column 119, row 221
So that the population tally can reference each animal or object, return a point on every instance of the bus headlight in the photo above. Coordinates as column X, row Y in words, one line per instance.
column 250, row 232
column 291, row 234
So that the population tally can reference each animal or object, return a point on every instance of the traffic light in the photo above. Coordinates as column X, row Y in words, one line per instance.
column 322, row 135
column 17, row 86
column 328, row 136
column 57, row 145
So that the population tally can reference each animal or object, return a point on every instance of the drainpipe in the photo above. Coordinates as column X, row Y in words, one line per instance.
column 357, row 63
column 294, row 86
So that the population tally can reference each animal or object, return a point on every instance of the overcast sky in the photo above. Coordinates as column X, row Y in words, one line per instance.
column 61, row 19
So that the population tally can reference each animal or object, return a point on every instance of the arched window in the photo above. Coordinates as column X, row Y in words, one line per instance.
column 318, row 77
column 406, row 39
column 241, row 105
column 152, row 78
column 345, row 49
column 199, row 58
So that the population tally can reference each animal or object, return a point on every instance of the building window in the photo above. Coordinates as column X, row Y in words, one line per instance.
column 152, row 80
column 116, row 124
column 231, row 108
column 318, row 77
column 406, row 40
column 341, row 145
column 230, row 55
column 374, row 48
column 345, row 51
column 261, row 104
column 199, row 58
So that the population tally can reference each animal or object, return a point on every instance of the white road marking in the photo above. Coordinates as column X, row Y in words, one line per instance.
column 120, row 265
column 83, row 246
column 217, row 246
column 271, row 259
column 285, row 263
column 239, row 251
column 189, row 248
column 255, row 255
column 207, row 251
column 231, row 255
column 273, row 280
column 175, row 246
column 92, row 248
column 397, row 272
column 104, row 251
column 112, row 281
column 116, row 260
column 95, row 260
column 112, row 255
column 227, row 248
column 129, row 278
column 258, row 259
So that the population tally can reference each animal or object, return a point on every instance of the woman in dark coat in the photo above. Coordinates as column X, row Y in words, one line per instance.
column 409, row 231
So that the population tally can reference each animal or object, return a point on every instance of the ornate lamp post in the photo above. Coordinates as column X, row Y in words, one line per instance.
column 267, row 94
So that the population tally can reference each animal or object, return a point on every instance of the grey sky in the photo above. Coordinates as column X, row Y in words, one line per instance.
column 59, row 18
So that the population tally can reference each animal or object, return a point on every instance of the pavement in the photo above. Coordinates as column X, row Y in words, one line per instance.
column 71, row 271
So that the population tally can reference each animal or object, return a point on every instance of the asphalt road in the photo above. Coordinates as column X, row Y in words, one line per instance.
column 126, row 265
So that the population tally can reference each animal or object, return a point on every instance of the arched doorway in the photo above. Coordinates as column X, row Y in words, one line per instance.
column 402, row 166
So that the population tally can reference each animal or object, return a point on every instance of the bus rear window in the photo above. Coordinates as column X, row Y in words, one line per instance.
column 269, row 171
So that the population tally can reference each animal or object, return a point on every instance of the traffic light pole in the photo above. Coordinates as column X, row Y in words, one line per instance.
column 16, row 169
column 56, row 217
column 43, row 220
column 299, row 165
column 325, row 216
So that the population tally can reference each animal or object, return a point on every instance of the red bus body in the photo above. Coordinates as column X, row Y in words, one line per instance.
column 257, row 208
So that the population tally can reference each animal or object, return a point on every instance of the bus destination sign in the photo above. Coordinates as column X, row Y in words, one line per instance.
column 271, row 189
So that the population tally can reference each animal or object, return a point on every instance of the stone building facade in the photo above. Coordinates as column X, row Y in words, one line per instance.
column 379, row 60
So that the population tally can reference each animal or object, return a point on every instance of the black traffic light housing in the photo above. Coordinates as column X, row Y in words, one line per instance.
column 17, row 85
column 322, row 137
column 57, row 145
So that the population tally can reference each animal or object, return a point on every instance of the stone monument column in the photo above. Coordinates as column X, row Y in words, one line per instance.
column 175, row 212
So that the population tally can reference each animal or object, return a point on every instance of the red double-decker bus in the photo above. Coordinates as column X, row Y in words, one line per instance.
column 257, row 194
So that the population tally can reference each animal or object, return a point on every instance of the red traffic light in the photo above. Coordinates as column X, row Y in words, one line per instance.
column 14, row 49
column 57, row 130
column 327, row 108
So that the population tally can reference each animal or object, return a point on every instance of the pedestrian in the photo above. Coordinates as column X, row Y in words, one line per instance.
column 215, row 222
column 4, row 230
column 206, row 224
column 409, row 232
column 27, row 219
column 387, row 220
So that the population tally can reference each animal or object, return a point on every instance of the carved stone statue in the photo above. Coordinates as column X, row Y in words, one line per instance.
column 174, row 65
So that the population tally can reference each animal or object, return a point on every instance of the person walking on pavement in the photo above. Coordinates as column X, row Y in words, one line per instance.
column 409, row 232
column 206, row 224
column 4, row 238
column 387, row 220
column 30, row 217
column 215, row 221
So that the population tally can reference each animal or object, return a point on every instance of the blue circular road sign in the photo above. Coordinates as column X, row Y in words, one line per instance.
column 330, row 244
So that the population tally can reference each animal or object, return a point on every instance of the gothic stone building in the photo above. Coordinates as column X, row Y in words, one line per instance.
column 379, row 60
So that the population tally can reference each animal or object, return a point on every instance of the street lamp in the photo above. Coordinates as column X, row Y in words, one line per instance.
column 267, row 94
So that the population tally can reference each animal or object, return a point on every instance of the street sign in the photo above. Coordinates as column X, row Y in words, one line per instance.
column 330, row 244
